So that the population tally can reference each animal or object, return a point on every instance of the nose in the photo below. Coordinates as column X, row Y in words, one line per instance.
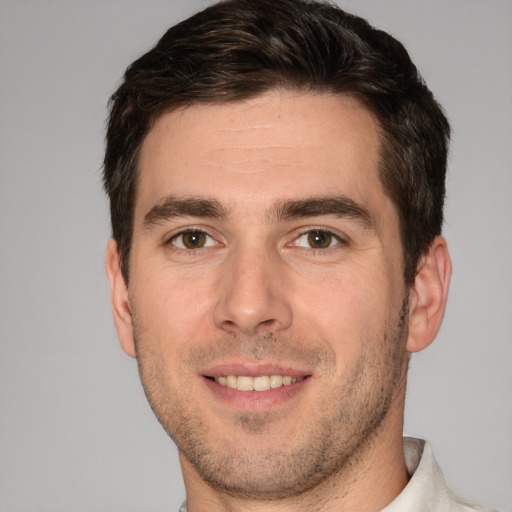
column 253, row 296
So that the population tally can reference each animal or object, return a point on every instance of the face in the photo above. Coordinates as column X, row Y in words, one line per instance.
column 266, row 290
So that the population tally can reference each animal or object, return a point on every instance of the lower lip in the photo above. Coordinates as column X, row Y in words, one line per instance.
column 255, row 400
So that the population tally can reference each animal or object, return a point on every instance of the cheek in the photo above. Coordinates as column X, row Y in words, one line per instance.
column 171, row 309
column 348, row 313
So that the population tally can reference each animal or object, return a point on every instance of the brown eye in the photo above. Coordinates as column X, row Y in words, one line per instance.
column 320, row 239
column 317, row 239
column 192, row 240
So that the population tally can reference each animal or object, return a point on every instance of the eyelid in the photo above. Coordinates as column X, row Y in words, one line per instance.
column 340, row 238
column 169, row 238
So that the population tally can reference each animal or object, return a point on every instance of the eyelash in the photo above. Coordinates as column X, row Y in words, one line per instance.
column 190, row 231
column 332, row 238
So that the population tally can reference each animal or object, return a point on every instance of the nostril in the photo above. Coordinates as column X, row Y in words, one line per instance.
column 251, row 309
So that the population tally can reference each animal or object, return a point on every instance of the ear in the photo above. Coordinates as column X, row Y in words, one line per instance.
column 428, row 295
column 119, row 299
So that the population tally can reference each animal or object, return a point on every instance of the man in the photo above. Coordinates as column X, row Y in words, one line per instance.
column 276, row 177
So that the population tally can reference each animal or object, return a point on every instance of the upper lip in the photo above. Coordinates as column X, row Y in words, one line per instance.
column 255, row 369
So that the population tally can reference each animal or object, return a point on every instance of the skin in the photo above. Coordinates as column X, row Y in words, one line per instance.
column 269, row 289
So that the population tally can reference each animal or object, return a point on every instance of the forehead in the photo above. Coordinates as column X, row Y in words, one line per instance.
column 276, row 146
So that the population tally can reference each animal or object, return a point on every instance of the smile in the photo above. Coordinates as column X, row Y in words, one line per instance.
column 259, row 383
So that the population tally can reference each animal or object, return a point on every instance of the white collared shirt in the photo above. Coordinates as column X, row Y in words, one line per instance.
column 426, row 490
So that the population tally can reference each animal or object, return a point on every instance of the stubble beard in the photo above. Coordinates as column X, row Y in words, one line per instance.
column 337, row 433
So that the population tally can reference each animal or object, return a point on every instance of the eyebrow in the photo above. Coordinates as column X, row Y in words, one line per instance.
column 337, row 206
column 173, row 207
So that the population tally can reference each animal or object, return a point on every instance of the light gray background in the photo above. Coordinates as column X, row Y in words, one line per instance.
column 76, row 433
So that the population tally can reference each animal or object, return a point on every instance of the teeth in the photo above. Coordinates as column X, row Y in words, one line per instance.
column 231, row 381
column 245, row 384
column 261, row 383
column 276, row 381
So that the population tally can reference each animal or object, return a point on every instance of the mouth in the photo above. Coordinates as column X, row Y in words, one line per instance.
column 255, row 387
column 257, row 383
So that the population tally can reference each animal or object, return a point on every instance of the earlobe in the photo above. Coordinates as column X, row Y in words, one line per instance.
column 428, row 296
column 119, row 299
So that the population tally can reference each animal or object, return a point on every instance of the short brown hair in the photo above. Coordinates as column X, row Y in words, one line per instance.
column 238, row 49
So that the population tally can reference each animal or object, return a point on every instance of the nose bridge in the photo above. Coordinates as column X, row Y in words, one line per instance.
column 253, row 295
